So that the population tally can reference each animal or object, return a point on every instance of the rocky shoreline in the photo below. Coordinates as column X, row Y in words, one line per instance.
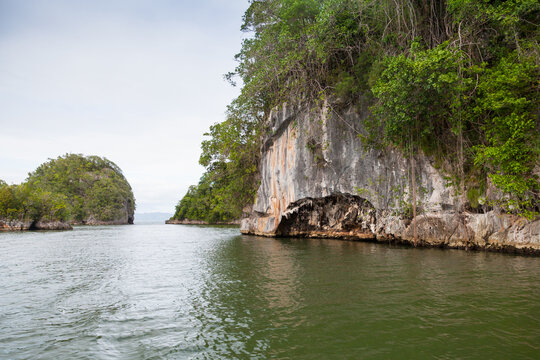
column 31, row 225
column 28, row 225
column 350, row 217
column 319, row 180
column 100, row 223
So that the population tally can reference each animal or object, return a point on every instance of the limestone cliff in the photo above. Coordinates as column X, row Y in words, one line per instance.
column 318, row 179
column 124, row 213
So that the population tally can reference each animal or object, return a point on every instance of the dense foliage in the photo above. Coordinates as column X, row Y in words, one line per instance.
column 23, row 202
column 202, row 203
column 231, row 156
column 71, row 188
column 455, row 79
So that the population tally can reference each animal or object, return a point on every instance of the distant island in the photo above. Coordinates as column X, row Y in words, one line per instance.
column 70, row 190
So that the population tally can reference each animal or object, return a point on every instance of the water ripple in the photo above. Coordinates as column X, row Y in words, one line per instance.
column 195, row 292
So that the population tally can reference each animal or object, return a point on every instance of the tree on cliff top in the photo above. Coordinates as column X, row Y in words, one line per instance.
column 230, row 156
column 443, row 77
column 93, row 186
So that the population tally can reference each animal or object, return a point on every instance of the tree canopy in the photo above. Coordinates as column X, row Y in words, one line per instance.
column 454, row 79
column 70, row 188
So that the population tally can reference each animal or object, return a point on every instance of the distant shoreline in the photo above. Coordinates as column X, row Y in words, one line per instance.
column 200, row 222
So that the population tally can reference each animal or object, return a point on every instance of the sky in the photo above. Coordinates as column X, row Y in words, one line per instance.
column 136, row 81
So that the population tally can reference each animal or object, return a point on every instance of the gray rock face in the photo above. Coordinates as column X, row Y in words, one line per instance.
column 51, row 225
column 125, row 216
column 18, row 225
column 336, row 216
column 314, row 154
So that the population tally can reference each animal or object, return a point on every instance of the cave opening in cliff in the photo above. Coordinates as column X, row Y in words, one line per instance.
column 335, row 216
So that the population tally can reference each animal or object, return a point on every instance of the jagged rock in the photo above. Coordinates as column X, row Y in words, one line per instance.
column 51, row 225
column 25, row 225
column 334, row 216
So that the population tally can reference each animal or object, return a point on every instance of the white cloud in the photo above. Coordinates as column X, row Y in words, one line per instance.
column 131, row 83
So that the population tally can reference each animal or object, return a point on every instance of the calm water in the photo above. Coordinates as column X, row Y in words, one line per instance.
column 181, row 292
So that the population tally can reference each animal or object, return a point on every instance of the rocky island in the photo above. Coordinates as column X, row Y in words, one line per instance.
column 70, row 190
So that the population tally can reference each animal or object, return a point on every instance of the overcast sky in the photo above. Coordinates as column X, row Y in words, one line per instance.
column 138, row 82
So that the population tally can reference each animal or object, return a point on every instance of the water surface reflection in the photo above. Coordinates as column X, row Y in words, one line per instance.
column 156, row 291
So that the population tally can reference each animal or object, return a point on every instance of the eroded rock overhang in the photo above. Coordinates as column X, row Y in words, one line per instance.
column 311, row 158
column 334, row 216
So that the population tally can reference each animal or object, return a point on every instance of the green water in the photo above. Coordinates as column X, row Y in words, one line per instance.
column 187, row 292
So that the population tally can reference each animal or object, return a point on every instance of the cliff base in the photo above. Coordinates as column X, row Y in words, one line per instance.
column 345, row 216
column 25, row 225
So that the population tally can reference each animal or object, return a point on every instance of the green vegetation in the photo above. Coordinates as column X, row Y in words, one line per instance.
column 71, row 188
column 24, row 202
column 202, row 203
column 231, row 158
column 455, row 79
